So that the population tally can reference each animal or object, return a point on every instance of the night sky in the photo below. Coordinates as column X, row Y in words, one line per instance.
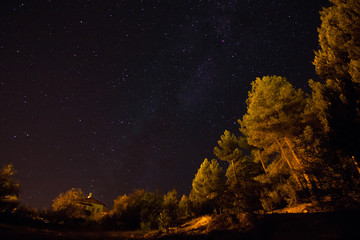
column 108, row 96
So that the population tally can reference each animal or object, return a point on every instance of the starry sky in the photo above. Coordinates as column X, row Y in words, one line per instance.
column 108, row 96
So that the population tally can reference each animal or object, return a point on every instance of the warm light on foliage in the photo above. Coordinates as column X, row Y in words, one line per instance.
column 9, row 189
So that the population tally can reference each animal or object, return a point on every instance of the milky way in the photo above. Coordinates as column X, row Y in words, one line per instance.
column 114, row 96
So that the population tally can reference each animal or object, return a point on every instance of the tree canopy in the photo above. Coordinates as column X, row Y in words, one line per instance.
column 170, row 209
column 337, row 62
column 339, row 39
column 274, row 111
column 66, row 203
column 273, row 120
column 208, row 184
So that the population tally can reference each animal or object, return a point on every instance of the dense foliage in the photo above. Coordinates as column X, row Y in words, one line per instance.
column 9, row 189
column 65, row 207
column 337, row 62
column 207, row 187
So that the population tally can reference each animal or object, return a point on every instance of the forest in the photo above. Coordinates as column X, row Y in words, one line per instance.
column 293, row 148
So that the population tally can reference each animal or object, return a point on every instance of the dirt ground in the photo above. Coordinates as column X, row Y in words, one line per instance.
column 335, row 225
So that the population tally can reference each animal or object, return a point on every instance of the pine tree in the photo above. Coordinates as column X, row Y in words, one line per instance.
column 229, row 151
column 150, row 210
column 335, row 102
column 241, row 192
column 169, row 213
column 339, row 38
column 274, row 124
column 337, row 62
column 274, row 111
column 184, row 206
column 207, row 186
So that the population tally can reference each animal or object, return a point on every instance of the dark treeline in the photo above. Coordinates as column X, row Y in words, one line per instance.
column 292, row 148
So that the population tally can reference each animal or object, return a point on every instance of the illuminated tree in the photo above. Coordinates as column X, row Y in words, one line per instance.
column 169, row 213
column 66, row 204
column 184, row 206
column 240, row 172
column 241, row 167
column 228, row 150
column 229, row 147
column 274, row 111
column 274, row 124
column 315, row 112
column 9, row 189
column 207, row 186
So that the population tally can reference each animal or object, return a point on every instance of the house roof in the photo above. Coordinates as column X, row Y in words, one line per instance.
column 90, row 201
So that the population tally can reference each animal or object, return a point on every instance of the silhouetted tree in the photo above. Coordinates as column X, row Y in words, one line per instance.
column 150, row 210
column 339, row 38
column 338, row 64
column 336, row 101
column 139, row 209
column 126, row 210
column 229, row 151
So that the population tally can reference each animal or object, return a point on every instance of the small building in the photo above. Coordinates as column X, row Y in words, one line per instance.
column 93, row 208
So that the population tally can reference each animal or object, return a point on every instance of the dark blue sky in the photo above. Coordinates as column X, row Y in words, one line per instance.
column 109, row 96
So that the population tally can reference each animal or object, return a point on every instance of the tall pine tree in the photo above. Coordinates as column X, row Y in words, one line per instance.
column 274, row 124
column 207, row 186
column 337, row 62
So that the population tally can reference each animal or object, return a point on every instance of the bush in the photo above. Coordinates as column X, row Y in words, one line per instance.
column 283, row 195
column 126, row 211
column 221, row 222
column 226, row 221
column 139, row 209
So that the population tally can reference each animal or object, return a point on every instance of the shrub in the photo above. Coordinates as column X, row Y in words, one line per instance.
column 283, row 195
column 226, row 221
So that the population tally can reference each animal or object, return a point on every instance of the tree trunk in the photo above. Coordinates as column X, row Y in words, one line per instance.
column 262, row 163
column 288, row 162
column 277, row 164
column 356, row 164
column 306, row 177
